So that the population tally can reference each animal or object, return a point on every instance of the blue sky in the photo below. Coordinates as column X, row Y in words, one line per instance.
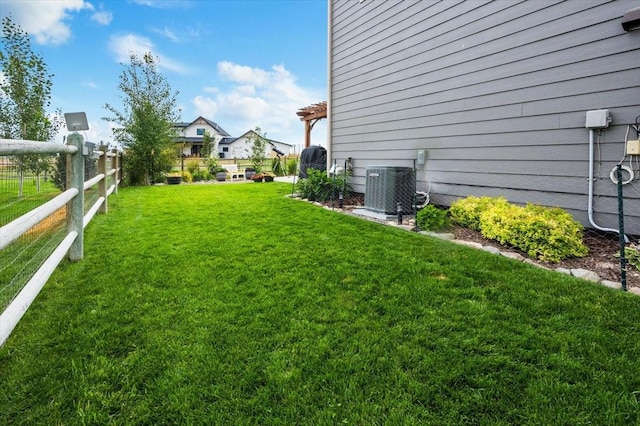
column 240, row 63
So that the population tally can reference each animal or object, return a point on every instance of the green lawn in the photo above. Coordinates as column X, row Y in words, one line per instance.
column 12, row 207
column 232, row 304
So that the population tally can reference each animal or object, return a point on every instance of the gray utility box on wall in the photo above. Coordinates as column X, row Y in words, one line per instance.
column 388, row 185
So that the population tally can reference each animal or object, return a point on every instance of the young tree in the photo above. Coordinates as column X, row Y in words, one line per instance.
column 25, row 92
column 208, row 145
column 146, row 133
column 258, row 143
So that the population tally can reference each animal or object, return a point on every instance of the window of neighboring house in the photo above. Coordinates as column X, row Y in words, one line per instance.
column 225, row 149
column 200, row 132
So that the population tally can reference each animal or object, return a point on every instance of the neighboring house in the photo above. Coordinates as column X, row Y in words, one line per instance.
column 494, row 92
column 190, row 135
column 240, row 147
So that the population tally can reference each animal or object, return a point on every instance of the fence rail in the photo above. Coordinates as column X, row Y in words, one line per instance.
column 72, row 200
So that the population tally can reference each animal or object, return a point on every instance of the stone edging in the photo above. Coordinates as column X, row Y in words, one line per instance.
column 578, row 273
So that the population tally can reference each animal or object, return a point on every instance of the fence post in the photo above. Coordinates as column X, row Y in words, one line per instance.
column 75, row 208
column 102, row 185
column 115, row 164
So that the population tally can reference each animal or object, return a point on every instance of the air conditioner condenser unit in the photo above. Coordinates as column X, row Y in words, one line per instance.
column 386, row 186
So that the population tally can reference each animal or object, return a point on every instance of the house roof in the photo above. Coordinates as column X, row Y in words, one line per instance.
column 213, row 124
column 270, row 141
column 226, row 141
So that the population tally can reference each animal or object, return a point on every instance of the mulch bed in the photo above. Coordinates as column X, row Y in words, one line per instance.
column 601, row 258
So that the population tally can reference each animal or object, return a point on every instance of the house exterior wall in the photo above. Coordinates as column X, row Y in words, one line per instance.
column 192, row 130
column 241, row 148
column 496, row 93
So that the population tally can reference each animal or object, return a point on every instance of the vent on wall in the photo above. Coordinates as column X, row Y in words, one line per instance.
column 386, row 186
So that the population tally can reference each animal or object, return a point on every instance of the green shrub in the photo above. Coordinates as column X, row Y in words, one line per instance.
column 632, row 256
column 186, row 177
column 200, row 175
column 193, row 166
column 495, row 218
column 547, row 233
column 431, row 218
column 317, row 186
column 466, row 211
column 292, row 166
column 553, row 234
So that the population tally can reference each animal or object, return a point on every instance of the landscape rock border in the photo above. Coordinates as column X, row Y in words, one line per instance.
column 410, row 226
column 578, row 273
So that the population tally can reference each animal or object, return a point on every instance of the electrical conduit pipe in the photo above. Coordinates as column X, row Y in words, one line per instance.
column 590, row 205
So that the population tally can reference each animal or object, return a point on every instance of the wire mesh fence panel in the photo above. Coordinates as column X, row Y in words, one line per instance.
column 111, row 164
column 27, row 182
column 92, row 194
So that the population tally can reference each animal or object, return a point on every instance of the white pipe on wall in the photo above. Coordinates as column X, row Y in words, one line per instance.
column 329, row 80
column 590, row 205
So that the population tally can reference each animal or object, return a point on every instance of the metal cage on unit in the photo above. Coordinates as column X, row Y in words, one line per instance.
column 386, row 186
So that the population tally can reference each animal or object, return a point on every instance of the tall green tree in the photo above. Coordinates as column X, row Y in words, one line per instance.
column 25, row 93
column 145, row 122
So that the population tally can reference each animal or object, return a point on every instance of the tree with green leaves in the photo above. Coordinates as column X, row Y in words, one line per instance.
column 208, row 145
column 25, row 93
column 258, row 143
column 145, row 122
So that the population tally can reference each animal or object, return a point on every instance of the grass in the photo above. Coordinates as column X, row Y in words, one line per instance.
column 12, row 207
column 231, row 304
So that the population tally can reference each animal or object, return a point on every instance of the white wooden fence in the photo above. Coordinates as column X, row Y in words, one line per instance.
column 73, row 244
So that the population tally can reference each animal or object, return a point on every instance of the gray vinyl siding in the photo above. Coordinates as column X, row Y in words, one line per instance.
column 496, row 92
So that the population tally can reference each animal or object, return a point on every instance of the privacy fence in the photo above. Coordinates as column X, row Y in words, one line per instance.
column 49, row 192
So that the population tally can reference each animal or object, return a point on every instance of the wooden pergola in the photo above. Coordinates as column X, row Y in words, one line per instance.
column 311, row 115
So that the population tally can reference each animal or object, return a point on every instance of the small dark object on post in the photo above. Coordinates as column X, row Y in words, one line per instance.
column 399, row 210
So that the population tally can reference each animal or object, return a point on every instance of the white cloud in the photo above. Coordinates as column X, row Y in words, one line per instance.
column 45, row 20
column 205, row 106
column 99, row 131
column 167, row 33
column 182, row 35
column 242, row 74
column 246, row 89
column 122, row 46
column 102, row 17
column 257, row 97
column 162, row 4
